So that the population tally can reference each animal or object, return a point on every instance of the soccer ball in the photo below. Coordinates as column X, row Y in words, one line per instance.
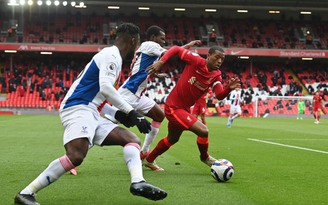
column 222, row 170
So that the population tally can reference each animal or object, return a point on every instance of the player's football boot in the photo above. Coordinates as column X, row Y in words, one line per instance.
column 152, row 165
column 25, row 199
column 209, row 161
column 147, row 190
column 73, row 171
column 228, row 125
column 144, row 155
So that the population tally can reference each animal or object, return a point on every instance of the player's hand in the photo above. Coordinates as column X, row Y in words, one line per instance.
column 140, row 121
column 152, row 69
column 123, row 118
column 234, row 83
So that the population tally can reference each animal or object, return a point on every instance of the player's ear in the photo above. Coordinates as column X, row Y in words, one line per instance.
column 133, row 41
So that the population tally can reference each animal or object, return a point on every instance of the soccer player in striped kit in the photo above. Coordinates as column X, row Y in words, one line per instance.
column 235, row 109
column 84, row 127
column 133, row 89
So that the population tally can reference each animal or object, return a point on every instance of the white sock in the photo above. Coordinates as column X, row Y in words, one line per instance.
column 132, row 160
column 149, row 139
column 235, row 116
column 49, row 175
column 229, row 118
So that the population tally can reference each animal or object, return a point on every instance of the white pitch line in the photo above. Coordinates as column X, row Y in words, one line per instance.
column 290, row 146
column 286, row 139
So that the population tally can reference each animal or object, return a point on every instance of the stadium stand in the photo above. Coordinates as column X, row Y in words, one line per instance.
column 79, row 28
column 34, row 82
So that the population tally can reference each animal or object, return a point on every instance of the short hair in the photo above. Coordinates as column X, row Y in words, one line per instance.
column 127, row 29
column 154, row 30
column 215, row 48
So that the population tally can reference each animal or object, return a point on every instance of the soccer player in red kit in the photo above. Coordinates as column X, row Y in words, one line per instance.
column 198, row 76
column 317, row 100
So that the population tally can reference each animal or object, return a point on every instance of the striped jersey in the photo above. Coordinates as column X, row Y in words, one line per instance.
column 235, row 97
column 103, row 71
column 146, row 55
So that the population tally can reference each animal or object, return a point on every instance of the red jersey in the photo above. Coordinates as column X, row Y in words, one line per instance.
column 317, row 99
column 194, row 81
column 201, row 101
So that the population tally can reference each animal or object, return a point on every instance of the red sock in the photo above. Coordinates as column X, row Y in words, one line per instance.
column 202, row 144
column 162, row 146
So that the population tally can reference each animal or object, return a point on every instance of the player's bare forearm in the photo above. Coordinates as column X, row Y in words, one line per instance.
column 161, row 75
column 192, row 43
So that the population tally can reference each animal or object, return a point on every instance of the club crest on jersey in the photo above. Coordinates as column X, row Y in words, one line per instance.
column 84, row 129
column 192, row 80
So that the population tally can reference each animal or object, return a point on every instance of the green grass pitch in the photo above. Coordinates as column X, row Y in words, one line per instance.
column 277, row 161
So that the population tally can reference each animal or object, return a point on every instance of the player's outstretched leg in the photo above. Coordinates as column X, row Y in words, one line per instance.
column 25, row 199
column 147, row 190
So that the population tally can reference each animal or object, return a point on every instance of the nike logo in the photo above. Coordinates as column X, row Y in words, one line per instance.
column 140, row 118
column 48, row 179
column 236, row 52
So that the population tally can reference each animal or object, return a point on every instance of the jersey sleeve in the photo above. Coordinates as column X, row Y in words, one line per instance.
column 154, row 49
column 109, row 71
column 184, row 54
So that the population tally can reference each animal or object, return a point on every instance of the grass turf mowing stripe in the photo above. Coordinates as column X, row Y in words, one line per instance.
column 290, row 146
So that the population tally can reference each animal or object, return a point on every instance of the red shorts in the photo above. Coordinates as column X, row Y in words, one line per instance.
column 199, row 109
column 316, row 108
column 179, row 119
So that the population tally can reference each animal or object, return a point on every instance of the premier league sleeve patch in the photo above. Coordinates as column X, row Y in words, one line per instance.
column 111, row 69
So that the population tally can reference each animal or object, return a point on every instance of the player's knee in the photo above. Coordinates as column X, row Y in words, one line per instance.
column 173, row 140
column 156, row 113
column 76, row 158
column 159, row 117
column 132, row 138
column 203, row 132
